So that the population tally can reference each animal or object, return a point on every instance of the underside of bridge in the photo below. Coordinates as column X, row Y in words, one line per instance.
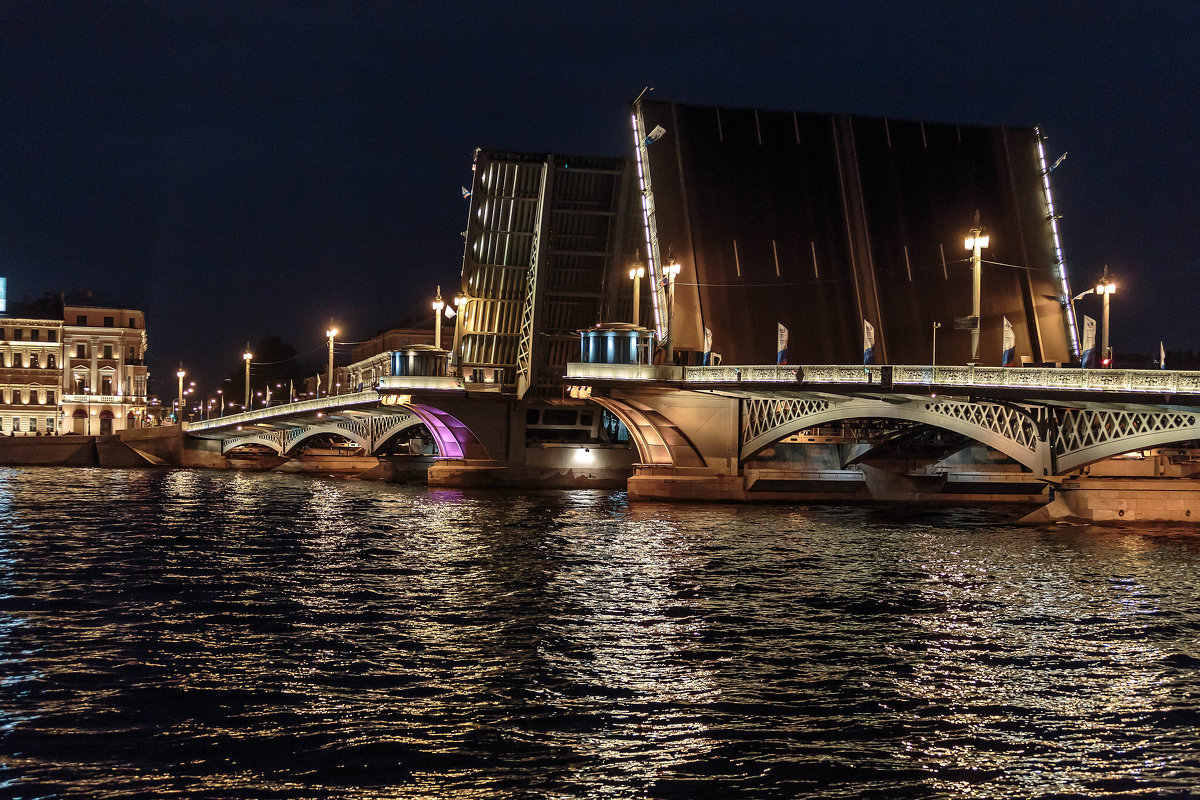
column 819, row 222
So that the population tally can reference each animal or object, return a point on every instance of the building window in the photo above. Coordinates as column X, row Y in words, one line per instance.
column 50, row 399
column 18, row 334
column 80, row 385
column 81, row 351
column 16, row 424
column 49, row 424
column 51, row 336
column 32, row 424
column 50, row 361
column 133, row 322
column 131, row 353
column 106, row 385
column 81, row 319
column 109, row 322
column 33, row 360
column 18, row 360
column 108, row 351
column 35, row 335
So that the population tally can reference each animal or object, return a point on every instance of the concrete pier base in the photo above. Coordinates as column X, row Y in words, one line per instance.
column 1111, row 499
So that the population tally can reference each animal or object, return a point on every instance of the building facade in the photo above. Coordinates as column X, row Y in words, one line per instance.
column 104, row 370
column 82, row 374
column 31, row 359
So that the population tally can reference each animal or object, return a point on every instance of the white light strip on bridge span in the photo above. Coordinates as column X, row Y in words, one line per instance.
column 1054, row 378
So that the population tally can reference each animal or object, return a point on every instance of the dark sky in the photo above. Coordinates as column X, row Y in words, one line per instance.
column 239, row 170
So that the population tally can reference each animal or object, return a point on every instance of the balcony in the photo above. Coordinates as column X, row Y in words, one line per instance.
column 110, row 399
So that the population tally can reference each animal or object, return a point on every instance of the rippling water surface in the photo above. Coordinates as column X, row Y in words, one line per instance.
column 210, row 634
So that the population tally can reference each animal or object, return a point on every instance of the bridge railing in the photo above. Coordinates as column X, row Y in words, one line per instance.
column 1055, row 378
column 286, row 409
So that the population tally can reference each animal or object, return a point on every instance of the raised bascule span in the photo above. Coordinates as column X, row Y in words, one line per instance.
column 819, row 222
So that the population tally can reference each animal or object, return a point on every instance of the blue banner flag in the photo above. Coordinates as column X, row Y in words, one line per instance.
column 1089, row 343
column 868, row 343
column 1009, row 348
column 781, row 345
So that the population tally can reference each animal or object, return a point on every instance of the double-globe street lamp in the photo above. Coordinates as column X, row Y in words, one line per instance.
column 246, row 356
column 1106, row 287
column 179, row 413
column 636, row 273
column 331, row 332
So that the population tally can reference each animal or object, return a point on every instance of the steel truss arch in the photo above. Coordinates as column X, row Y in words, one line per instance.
column 1012, row 430
column 1083, row 436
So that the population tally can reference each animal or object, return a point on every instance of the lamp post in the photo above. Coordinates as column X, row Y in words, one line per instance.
column 933, row 356
column 975, row 243
column 221, row 395
column 636, row 273
column 438, row 305
column 332, row 332
column 246, row 356
column 1107, row 287
column 180, row 374
column 671, row 271
column 87, row 393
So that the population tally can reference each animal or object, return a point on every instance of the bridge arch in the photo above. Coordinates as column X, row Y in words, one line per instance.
column 269, row 439
column 454, row 439
column 1084, row 436
column 296, row 437
column 658, row 440
column 1010, row 430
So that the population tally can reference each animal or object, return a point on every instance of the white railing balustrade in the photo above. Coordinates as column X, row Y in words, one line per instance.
column 1146, row 381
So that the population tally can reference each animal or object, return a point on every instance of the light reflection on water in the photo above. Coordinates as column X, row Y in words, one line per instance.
column 219, row 634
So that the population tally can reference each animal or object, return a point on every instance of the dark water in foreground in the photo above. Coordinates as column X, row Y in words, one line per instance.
column 208, row 634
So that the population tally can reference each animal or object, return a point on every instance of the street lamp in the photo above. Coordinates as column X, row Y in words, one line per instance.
column 1107, row 287
column 246, row 356
column 636, row 273
column 332, row 332
column 438, row 305
column 671, row 271
column 933, row 356
column 975, row 243
column 180, row 374
column 221, row 395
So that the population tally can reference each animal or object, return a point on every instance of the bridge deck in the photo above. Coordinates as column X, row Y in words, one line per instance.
column 1036, row 382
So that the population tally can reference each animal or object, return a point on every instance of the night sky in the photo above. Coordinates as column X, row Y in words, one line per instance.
column 240, row 170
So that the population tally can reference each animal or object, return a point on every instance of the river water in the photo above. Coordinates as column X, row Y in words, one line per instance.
column 175, row 633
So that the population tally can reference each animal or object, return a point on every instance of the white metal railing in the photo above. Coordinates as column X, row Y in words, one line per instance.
column 286, row 409
column 1059, row 378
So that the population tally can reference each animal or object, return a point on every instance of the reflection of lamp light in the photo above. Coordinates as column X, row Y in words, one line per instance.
column 585, row 456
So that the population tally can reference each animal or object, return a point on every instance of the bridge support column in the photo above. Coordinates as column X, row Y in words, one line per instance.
column 1110, row 499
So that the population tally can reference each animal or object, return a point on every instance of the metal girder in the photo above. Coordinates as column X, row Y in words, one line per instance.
column 368, row 431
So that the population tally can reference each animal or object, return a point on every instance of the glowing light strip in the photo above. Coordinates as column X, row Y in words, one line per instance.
column 1058, row 253
column 658, row 296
